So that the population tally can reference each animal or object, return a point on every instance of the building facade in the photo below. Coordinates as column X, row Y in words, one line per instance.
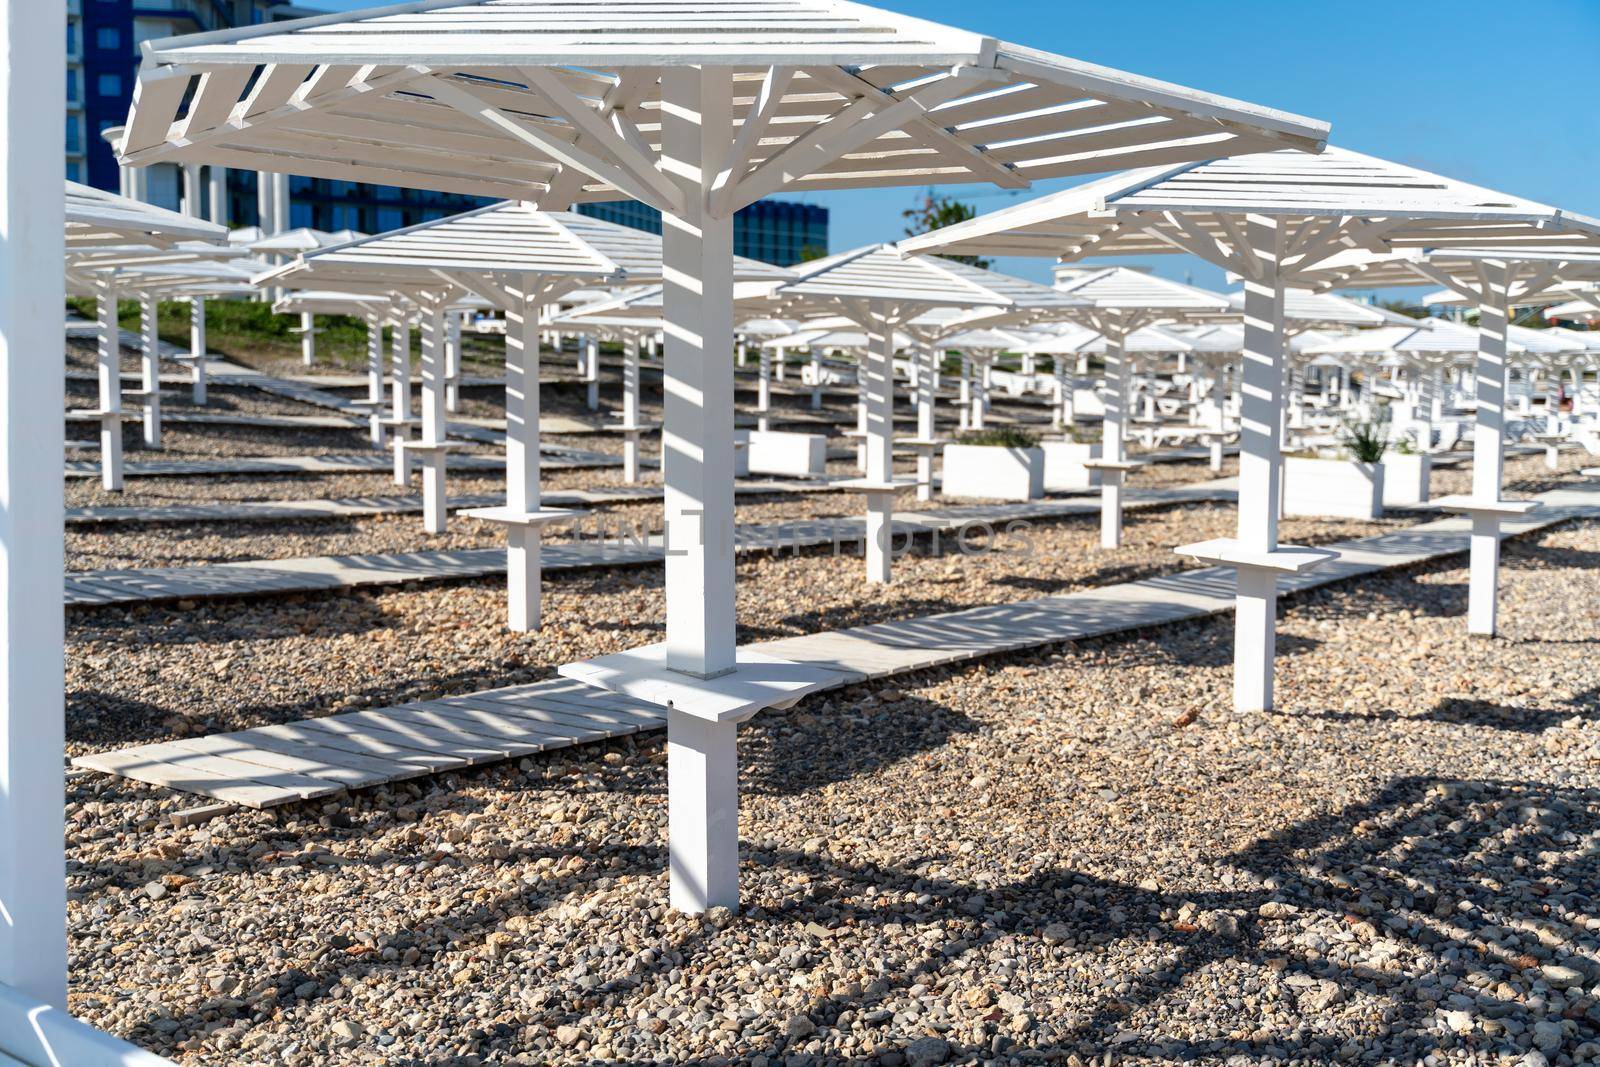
column 772, row 231
column 103, row 39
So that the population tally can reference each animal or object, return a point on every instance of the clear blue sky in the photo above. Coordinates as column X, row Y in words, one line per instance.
column 1506, row 95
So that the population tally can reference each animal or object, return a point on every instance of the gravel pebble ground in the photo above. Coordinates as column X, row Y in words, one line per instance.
column 1077, row 855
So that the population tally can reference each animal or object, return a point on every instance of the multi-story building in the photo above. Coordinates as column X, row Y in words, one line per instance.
column 103, row 39
column 772, row 231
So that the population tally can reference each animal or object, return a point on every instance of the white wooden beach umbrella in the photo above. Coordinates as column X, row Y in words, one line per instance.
column 1122, row 301
column 520, row 259
column 113, row 244
column 1273, row 219
column 1509, row 254
column 697, row 107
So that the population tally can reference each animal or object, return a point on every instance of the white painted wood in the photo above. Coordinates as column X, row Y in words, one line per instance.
column 789, row 455
column 33, row 949
column 1406, row 479
column 432, row 437
column 1113, row 430
column 1488, row 448
column 308, row 339
column 702, row 812
column 1064, row 466
column 878, row 407
column 522, row 462
column 697, row 434
column 36, row 1033
column 150, row 369
column 927, row 387
column 197, row 349
column 630, row 407
column 400, row 396
column 763, row 386
column 108, row 364
column 375, row 378
column 589, row 344
column 218, row 180
column 452, row 362
column 1261, row 384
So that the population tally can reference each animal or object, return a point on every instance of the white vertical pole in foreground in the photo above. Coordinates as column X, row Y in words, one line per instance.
column 452, row 362
column 197, row 349
column 1114, row 399
column 925, row 387
column 218, row 176
column 109, row 368
column 33, row 950
column 375, row 376
column 400, row 396
column 308, row 338
column 591, row 370
column 1261, row 382
column 433, row 422
column 763, row 388
column 697, row 470
column 878, row 369
column 522, row 463
column 150, row 369
column 1488, row 451
column 630, row 408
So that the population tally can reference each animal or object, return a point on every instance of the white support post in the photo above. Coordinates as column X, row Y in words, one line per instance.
column 630, row 408
column 33, row 904
column 763, row 389
column 197, row 349
column 816, row 381
column 400, row 397
column 108, row 366
column 984, row 369
column 925, row 356
column 189, row 193
column 1488, row 451
column 375, row 378
column 150, row 369
column 452, row 362
column 433, row 420
column 742, row 351
column 1260, row 458
column 308, row 339
column 1219, row 414
column 964, row 395
column 522, row 464
column 263, row 201
column 590, row 346
column 218, row 176
column 280, row 203
column 697, row 472
column 1114, row 399
column 878, row 372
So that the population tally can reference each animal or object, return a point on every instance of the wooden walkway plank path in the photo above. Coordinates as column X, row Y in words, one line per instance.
column 347, row 507
column 272, row 765
column 280, row 577
column 552, row 457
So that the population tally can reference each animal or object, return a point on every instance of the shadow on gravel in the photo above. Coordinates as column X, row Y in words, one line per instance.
column 1461, row 711
column 785, row 754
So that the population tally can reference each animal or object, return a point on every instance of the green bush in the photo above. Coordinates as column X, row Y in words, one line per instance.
column 1001, row 436
column 1366, row 441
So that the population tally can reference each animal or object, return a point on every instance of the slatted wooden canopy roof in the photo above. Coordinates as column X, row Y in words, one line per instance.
column 1532, row 273
column 97, row 218
column 921, row 283
column 509, row 239
column 1307, row 307
column 558, row 101
column 1439, row 336
column 1329, row 204
column 1126, row 289
column 1072, row 339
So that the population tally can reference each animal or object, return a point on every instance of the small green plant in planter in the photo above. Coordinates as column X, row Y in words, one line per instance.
column 1405, row 447
column 1366, row 441
column 1000, row 437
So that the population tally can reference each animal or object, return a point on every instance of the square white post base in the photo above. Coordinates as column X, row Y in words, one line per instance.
column 430, row 459
column 1483, row 566
column 702, row 758
column 1255, row 626
column 702, row 813
column 880, row 527
column 1112, row 472
column 523, row 532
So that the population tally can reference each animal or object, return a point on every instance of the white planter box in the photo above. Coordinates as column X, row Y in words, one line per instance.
column 1338, row 488
column 1406, row 478
column 990, row 472
column 792, row 455
column 1064, row 468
